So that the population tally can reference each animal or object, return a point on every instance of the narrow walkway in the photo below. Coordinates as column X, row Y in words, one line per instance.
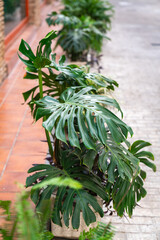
column 132, row 57
column 20, row 138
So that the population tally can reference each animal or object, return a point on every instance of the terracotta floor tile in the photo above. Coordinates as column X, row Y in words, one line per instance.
column 10, row 54
column 31, row 133
column 8, row 126
column 4, row 152
column 9, row 180
column 8, row 130
column 30, row 148
column 16, row 98
column 12, row 107
column 24, row 82
column 23, row 163
column 1, row 98
column 5, row 86
column 10, row 116
column 2, row 95
column 7, row 196
column 35, row 126
column 29, row 122
column 6, row 140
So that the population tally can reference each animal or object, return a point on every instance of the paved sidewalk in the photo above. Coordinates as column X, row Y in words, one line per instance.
column 133, row 59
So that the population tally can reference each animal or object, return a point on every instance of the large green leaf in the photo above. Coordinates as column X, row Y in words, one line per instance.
column 74, row 41
column 26, row 50
column 41, row 59
column 89, row 158
column 83, row 203
column 55, row 84
column 125, row 161
column 44, row 47
column 90, row 115
column 69, row 202
column 125, row 192
column 99, row 81
column 143, row 156
column 73, row 75
column 112, row 157
column 55, row 18
column 88, row 181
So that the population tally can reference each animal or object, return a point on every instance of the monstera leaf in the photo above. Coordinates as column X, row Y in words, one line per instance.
column 112, row 157
column 55, row 18
column 74, row 75
column 41, row 59
column 75, row 202
column 100, row 81
column 88, row 181
column 126, row 193
column 90, row 115
column 143, row 156
column 74, row 41
column 55, row 84
column 69, row 202
column 124, row 177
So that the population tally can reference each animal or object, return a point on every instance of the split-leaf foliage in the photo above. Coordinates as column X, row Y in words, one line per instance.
column 89, row 140
column 24, row 223
column 84, row 26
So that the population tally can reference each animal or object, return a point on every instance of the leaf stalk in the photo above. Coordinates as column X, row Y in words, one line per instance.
column 44, row 118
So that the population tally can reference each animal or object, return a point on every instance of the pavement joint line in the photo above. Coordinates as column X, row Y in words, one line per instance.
column 14, row 142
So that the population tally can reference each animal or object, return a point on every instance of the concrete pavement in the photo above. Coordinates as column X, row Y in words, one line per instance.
column 132, row 58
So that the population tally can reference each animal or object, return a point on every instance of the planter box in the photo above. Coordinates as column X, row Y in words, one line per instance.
column 65, row 232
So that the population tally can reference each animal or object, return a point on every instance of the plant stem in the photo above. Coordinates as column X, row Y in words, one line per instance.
column 14, row 228
column 44, row 118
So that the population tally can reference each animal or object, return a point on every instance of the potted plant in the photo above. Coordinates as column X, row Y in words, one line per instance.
column 87, row 141
column 84, row 25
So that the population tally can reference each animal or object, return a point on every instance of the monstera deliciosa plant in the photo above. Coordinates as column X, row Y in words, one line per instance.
column 87, row 141
column 84, row 25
